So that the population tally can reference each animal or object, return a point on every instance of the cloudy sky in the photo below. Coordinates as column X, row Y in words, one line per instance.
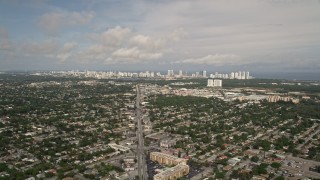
column 219, row 35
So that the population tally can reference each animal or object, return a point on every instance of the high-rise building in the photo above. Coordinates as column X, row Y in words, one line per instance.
column 236, row 75
column 170, row 73
column 210, row 83
column 197, row 74
column 247, row 75
column 232, row 75
column 217, row 83
column 243, row 75
column 180, row 73
column 225, row 76
column 204, row 73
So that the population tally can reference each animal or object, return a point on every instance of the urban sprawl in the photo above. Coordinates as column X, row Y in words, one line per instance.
column 149, row 74
column 145, row 125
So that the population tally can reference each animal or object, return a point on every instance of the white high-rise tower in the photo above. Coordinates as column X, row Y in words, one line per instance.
column 243, row 75
column 232, row 75
column 204, row 73
column 247, row 75
column 170, row 73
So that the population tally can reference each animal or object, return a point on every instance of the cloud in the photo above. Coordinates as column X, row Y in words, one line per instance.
column 250, row 28
column 113, row 36
column 242, row 32
column 94, row 52
column 135, row 53
column 178, row 34
column 69, row 46
column 123, row 45
column 48, row 49
column 43, row 48
column 103, row 44
column 5, row 43
column 148, row 42
column 52, row 22
column 216, row 59
column 66, row 51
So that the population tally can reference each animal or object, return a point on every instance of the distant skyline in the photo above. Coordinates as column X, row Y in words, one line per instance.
column 133, row 35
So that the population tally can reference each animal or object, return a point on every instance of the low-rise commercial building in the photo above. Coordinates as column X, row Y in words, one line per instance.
column 167, row 143
column 118, row 147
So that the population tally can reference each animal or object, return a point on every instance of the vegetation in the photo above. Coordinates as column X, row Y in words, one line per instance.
column 275, row 165
column 52, row 122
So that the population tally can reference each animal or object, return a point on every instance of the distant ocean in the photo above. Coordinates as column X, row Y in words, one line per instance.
column 287, row 75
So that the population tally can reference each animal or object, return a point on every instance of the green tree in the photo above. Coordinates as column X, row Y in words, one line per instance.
column 3, row 167
column 254, row 159
column 280, row 178
column 261, row 169
column 276, row 165
column 219, row 175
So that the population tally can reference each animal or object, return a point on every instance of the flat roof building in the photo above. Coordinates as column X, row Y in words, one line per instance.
column 210, row 83
column 167, row 159
column 217, row 83
column 118, row 147
column 180, row 168
column 173, row 173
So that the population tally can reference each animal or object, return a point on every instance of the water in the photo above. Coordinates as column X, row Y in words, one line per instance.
column 288, row 75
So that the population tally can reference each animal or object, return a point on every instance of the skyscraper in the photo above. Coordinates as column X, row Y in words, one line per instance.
column 236, row 75
column 247, row 75
column 204, row 73
column 243, row 75
column 170, row 73
column 232, row 75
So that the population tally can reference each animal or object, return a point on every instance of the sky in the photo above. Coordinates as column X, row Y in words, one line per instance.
column 133, row 35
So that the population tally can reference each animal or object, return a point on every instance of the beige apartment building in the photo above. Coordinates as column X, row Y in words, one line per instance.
column 166, row 159
column 180, row 166
column 173, row 173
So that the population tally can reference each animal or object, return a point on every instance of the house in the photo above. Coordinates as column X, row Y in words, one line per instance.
column 167, row 143
column 252, row 152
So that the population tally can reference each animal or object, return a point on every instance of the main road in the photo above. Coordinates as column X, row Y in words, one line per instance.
column 140, row 148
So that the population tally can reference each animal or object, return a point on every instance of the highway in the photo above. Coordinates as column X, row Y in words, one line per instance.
column 140, row 148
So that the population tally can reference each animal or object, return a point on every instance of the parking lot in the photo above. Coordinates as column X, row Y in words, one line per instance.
column 193, row 172
column 300, row 168
column 151, row 167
